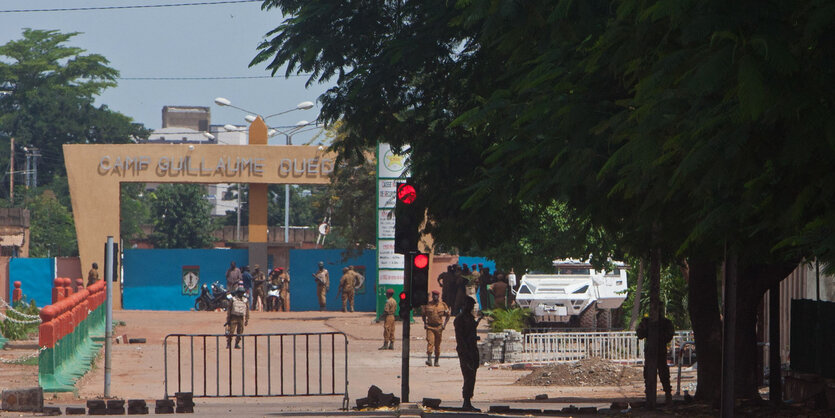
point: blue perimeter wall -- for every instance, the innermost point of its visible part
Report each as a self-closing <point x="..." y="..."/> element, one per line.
<point x="36" y="276"/>
<point x="303" y="263"/>
<point x="153" y="279"/>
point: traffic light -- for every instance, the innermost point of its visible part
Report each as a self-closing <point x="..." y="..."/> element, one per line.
<point x="404" y="307"/>
<point x="420" y="278"/>
<point x="407" y="218"/>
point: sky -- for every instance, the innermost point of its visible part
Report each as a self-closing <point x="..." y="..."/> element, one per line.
<point x="199" y="41"/>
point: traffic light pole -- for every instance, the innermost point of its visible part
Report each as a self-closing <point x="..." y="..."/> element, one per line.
<point x="404" y="357"/>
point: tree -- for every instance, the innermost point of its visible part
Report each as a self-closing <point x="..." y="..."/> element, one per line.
<point x="182" y="217"/>
<point x="52" y="229"/>
<point x="350" y="199"/>
<point x="135" y="211"/>
<point x="49" y="90"/>
<point x="696" y="132"/>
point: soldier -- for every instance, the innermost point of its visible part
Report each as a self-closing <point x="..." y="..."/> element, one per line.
<point x="665" y="334"/>
<point x="259" y="282"/>
<point x="485" y="279"/>
<point x="388" y="321"/>
<point x="346" y="288"/>
<point x="233" y="276"/>
<point x="447" y="282"/>
<point x="434" y="326"/>
<point x="499" y="290"/>
<point x="93" y="275"/>
<point x="323" y="282"/>
<point x="284" y="276"/>
<point x="467" y="348"/>
<point x="237" y="316"/>
<point x="246" y="277"/>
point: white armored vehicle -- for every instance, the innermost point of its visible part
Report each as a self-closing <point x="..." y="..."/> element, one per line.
<point x="573" y="294"/>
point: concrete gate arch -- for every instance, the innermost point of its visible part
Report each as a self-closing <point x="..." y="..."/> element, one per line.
<point x="95" y="173"/>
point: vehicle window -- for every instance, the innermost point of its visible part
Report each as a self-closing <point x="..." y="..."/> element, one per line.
<point x="573" y="270"/>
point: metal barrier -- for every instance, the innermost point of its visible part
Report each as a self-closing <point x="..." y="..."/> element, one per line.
<point x="619" y="346"/>
<point x="280" y="365"/>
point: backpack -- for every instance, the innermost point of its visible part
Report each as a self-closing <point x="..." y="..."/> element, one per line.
<point x="238" y="307"/>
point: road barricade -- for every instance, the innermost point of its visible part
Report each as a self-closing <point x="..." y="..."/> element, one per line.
<point x="70" y="334"/>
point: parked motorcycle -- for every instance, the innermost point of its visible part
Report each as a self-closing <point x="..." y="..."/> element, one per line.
<point x="273" y="298"/>
<point x="211" y="300"/>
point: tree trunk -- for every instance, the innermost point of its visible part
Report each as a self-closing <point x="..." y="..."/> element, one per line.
<point x="651" y="346"/>
<point x="707" y="327"/>
<point x="636" y="299"/>
<point x="754" y="280"/>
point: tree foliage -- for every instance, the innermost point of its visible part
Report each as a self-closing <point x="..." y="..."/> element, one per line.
<point x="700" y="130"/>
<point x="52" y="230"/>
<point x="48" y="97"/>
<point x="182" y="217"/>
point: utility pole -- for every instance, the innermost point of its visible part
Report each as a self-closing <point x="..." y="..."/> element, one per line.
<point x="11" y="175"/>
<point x="28" y="169"/>
<point x="36" y="153"/>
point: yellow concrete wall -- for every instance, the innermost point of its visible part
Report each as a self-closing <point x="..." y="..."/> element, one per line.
<point x="96" y="171"/>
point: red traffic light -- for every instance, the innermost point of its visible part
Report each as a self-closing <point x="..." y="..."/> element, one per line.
<point x="406" y="193"/>
<point x="402" y="295"/>
<point x="421" y="261"/>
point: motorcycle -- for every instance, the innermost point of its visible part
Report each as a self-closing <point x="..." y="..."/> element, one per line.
<point x="274" y="300"/>
<point x="209" y="301"/>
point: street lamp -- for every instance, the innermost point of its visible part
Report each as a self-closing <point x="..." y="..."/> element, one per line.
<point x="220" y="101"/>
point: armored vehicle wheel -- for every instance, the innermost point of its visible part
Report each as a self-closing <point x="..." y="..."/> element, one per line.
<point x="588" y="318"/>
<point x="604" y="319"/>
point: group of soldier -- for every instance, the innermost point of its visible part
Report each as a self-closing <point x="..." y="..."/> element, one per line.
<point x="459" y="286"/>
<point x="255" y="284"/>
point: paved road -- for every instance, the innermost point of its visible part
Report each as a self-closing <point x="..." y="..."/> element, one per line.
<point x="138" y="368"/>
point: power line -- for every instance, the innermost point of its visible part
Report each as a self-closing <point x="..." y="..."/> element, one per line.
<point x="231" y="77"/>
<point x="147" y="6"/>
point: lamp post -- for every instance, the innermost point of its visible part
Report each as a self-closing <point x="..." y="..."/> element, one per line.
<point x="257" y="125"/>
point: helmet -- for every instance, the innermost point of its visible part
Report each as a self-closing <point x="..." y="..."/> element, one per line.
<point x="321" y="264"/>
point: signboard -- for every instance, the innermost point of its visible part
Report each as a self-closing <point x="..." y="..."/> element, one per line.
<point x="386" y="257"/>
<point x="191" y="280"/>
<point x="390" y="277"/>
<point x="391" y="165"/>
<point x="386" y="193"/>
<point x="385" y="223"/>
<point x="391" y="170"/>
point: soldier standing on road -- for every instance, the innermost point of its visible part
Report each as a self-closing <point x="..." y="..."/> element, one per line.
<point x="467" y="348"/>
<point x="346" y="288"/>
<point x="665" y="334"/>
<point x="246" y="276"/>
<point x="388" y="321"/>
<point x="233" y="276"/>
<point x="284" y="277"/>
<point x="237" y="316"/>
<point x="93" y="275"/>
<point x="499" y="290"/>
<point x="259" y="283"/>
<point x="433" y="312"/>
<point x="323" y="282"/>
<point x="447" y="282"/>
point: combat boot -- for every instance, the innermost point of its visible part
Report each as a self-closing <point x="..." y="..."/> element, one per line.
<point x="668" y="398"/>
<point x="436" y="361"/>
<point x="391" y="345"/>
<point x="429" y="359"/>
<point x="384" y="347"/>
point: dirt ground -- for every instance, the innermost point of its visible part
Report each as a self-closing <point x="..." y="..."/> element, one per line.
<point x="137" y="369"/>
<point x="586" y="372"/>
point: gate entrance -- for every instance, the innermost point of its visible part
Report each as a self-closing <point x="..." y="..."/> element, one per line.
<point x="265" y="365"/>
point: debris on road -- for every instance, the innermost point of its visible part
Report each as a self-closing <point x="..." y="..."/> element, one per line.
<point x="586" y="372"/>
